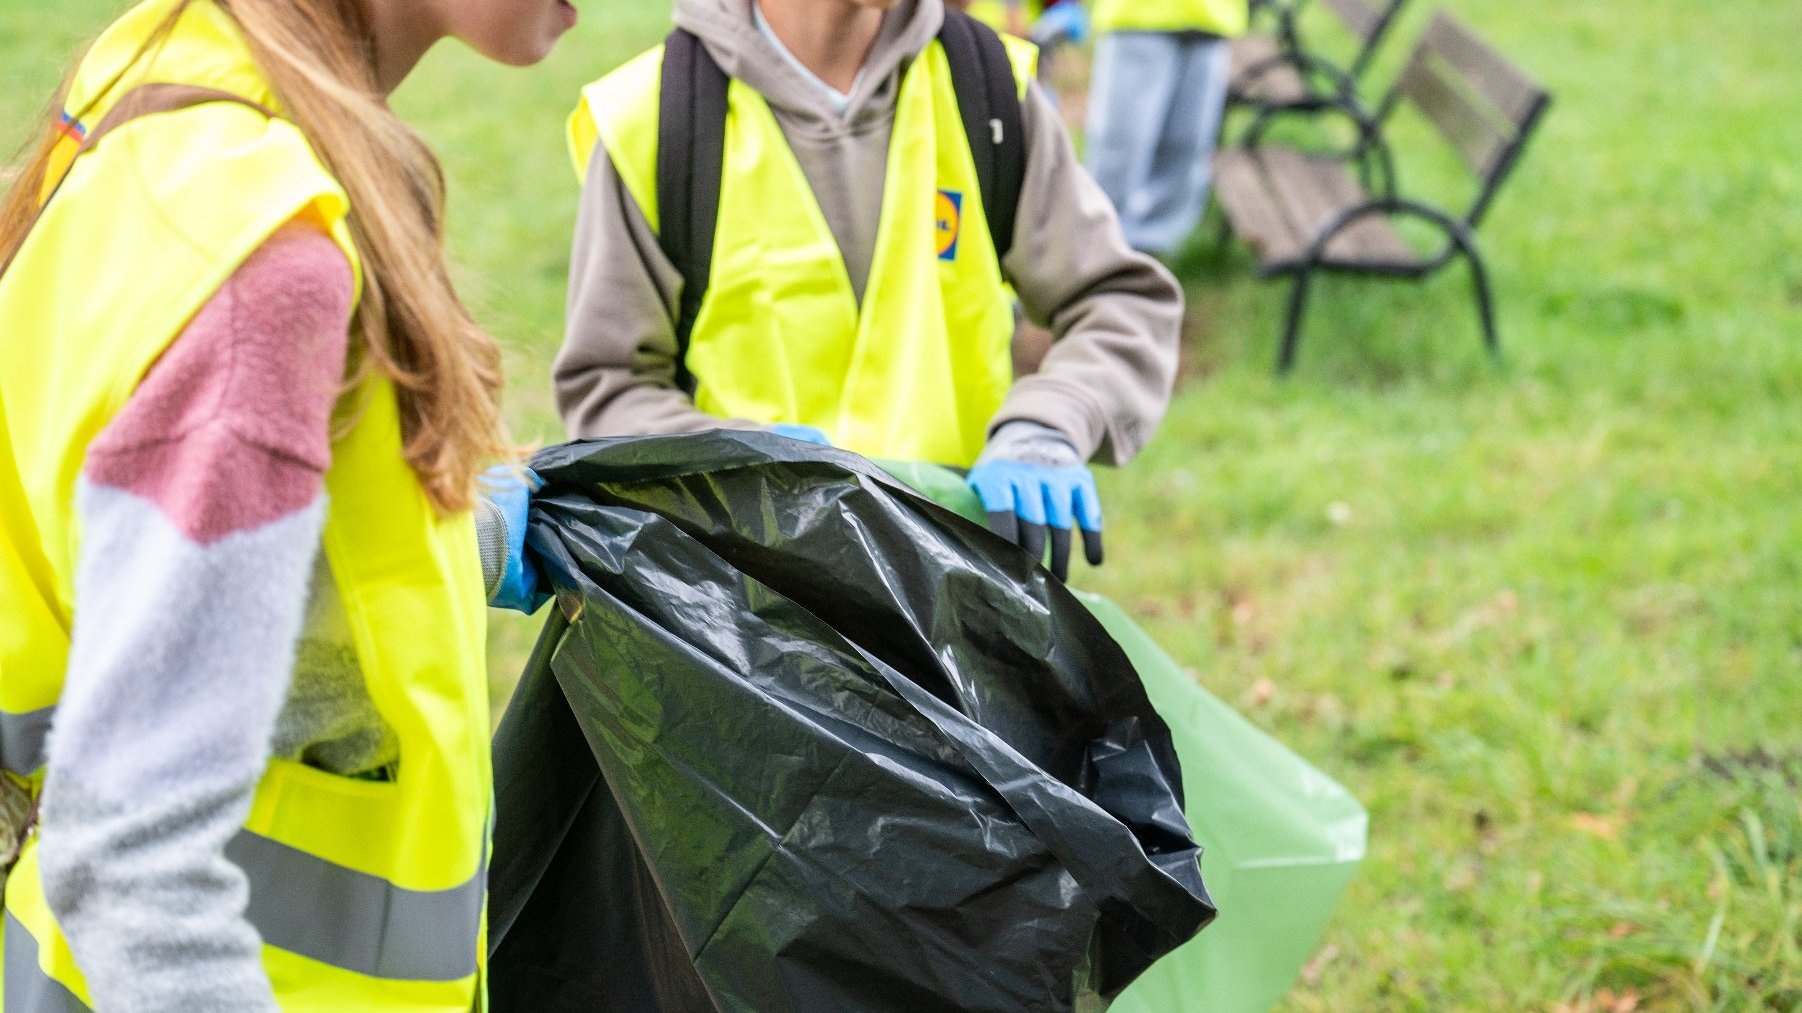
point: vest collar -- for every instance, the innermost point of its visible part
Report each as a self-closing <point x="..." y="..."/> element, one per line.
<point x="204" y="48"/>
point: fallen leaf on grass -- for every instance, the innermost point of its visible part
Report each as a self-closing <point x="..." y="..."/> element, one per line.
<point x="1262" y="691"/>
<point x="1625" y="793"/>
<point x="1622" y="929"/>
<point x="1461" y="877"/>
<point x="1490" y="615"/>
<point x="1596" y="826"/>
<point x="1605" y="1000"/>
<point x="1608" y="1002"/>
<point x="1316" y="967"/>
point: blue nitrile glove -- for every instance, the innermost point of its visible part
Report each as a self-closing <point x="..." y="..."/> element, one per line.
<point x="1068" y="21"/>
<point x="806" y="434"/>
<point x="1032" y="482"/>
<point x="510" y="577"/>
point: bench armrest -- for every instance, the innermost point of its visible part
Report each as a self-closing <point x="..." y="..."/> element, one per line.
<point x="1376" y="164"/>
<point x="1458" y="233"/>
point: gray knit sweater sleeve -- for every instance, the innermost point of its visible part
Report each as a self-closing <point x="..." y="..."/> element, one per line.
<point x="201" y="507"/>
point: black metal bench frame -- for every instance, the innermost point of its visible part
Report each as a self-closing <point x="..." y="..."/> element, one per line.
<point x="1368" y="21"/>
<point x="1481" y="104"/>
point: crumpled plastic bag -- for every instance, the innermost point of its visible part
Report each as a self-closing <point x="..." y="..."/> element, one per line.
<point x="799" y="739"/>
<point x="1281" y="838"/>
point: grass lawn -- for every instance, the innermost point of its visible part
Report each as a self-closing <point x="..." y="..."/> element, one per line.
<point x="1543" y="619"/>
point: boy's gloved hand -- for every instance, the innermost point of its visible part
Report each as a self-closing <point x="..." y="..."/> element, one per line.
<point x="1065" y="22"/>
<point x="806" y="434"/>
<point x="511" y="578"/>
<point x="1032" y="483"/>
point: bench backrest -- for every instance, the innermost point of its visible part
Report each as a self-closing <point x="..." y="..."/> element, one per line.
<point x="1364" y="19"/>
<point x="1367" y="21"/>
<point x="1485" y="107"/>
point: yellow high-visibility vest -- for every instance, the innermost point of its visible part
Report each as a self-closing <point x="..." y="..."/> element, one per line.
<point x="919" y="369"/>
<point x="368" y="895"/>
<point x="1225" y="18"/>
<point x="994" y="12"/>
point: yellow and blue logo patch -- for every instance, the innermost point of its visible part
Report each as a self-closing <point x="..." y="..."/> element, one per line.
<point x="72" y="129"/>
<point x="948" y="222"/>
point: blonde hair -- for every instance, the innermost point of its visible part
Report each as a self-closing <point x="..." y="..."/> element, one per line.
<point x="410" y="325"/>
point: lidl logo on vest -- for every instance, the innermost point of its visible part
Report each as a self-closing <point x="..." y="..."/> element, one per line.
<point x="948" y="220"/>
<point x="70" y="135"/>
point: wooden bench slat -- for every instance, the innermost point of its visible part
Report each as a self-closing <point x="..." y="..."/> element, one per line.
<point x="1280" y="84"/>
<point x="1278" y="198"/>
<point x="1317" y="189"/>
<point x="1304" y="195"/>
<point x="1361" y="18"/>
<point x="1477" y="134"/>
<point x="1250" y="50"/>
<point x="1513" y="95"/>
<point x="1239" y="182"/>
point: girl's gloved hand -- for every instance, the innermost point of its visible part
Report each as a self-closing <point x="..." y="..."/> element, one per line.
<point x="806" y="434"/>
<point x="1033" y="485"/>
<point x="510" y="576"/>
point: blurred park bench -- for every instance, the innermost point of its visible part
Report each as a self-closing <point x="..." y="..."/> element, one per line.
<point x="1303" y="211"/>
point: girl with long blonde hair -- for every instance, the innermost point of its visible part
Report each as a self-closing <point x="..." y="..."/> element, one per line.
<point x="243" y="420"/>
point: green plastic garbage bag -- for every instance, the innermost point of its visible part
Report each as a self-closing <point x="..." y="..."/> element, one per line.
<point x="1282" y="839"/>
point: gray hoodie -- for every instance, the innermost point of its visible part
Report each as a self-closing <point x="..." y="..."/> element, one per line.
<point x="1115" y="313"/>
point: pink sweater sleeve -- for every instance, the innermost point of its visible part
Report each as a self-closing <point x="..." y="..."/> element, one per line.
<point x="201" y="507"/>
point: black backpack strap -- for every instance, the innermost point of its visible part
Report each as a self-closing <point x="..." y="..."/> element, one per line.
<point x="994" y="119"/>
<point x="691" y="155"/>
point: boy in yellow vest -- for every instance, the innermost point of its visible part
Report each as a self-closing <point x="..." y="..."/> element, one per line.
<point x="857" y="287"/>
<point x="1155" y="104"/>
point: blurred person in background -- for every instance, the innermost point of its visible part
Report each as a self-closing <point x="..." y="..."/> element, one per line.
<point x="858" y="289"/>
<point x="1011" y="16"/>
<point x="1155" y="105"/>
<point x="1050" y="26"/>
<point x="243" y="693"/>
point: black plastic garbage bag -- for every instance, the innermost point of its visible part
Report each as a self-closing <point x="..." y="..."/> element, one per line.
<point x="806" y="741"/>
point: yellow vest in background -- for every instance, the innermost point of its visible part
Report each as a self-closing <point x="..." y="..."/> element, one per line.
<point x="368" y="895"/>
<point x="915" y="373"/>
<point x="994" y="12"/>
<point x="1226" y="18"/>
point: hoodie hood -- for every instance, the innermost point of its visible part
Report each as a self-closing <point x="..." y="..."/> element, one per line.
<point x="725" y="27"/>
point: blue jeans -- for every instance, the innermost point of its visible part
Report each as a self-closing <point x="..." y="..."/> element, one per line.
<point x="1154" y="115"/>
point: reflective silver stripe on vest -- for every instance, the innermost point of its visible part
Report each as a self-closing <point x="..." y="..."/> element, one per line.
<point x="28" y="988"/>
<point x="357" y="922"/>
<point x="22" y="740"/>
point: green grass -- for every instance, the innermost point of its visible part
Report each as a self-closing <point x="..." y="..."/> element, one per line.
<point x="1543" y="619"/>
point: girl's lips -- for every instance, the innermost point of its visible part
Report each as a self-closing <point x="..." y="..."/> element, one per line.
<point x="570" y="14"/>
